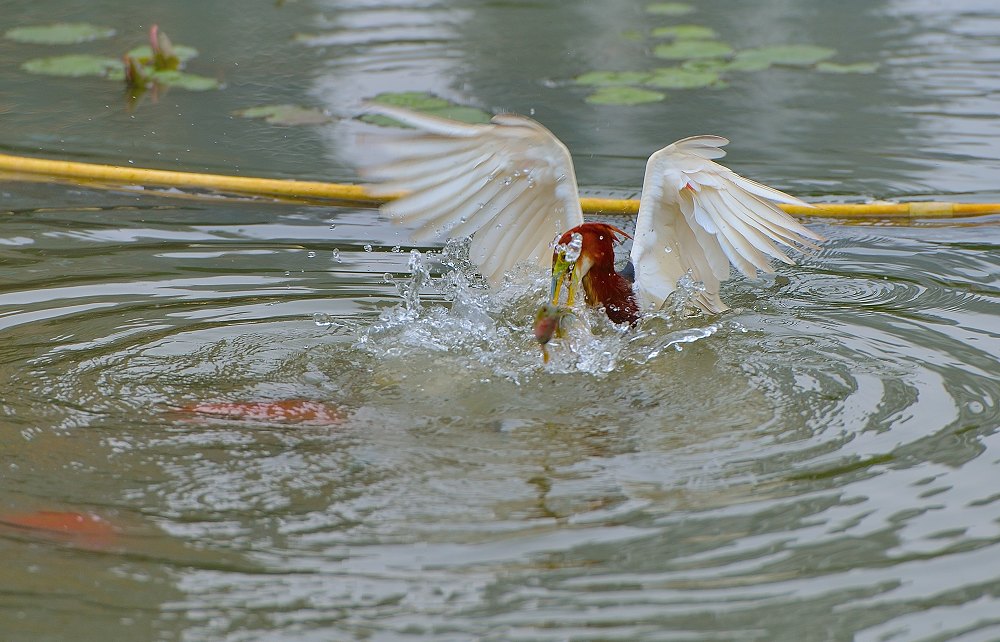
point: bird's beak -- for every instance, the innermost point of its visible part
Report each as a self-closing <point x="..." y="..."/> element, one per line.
<point x="561" y="268"/>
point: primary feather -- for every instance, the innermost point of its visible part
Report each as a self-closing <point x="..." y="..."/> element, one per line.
<point x="510" y="185"/>
<point x="697" y="217"/>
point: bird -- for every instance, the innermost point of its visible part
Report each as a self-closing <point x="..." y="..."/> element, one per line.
<point x="509" y="184"/>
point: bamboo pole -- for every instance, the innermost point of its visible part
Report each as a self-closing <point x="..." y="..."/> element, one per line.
<point x="358" y="195"/>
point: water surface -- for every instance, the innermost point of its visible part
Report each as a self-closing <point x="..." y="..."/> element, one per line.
<point x="815" y="464"/>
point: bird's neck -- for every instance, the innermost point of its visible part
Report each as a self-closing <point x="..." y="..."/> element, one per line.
<point x="605" y="286"/>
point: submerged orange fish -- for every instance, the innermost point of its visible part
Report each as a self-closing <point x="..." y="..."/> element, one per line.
<point x="86" y="529"/>
<point x="283" y="411"/>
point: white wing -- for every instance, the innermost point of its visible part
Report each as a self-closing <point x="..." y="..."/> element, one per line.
<point x="696" y="215"/>
<point x="509" y="184"/>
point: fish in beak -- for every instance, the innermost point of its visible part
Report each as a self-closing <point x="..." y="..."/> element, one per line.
<point x="548" y="324"/>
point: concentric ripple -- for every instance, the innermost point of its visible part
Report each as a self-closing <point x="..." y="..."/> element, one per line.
<point x="822" y="446"/>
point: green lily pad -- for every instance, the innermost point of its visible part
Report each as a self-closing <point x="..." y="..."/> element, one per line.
<point x="73" y="66"/>
<point x="680" y="78"/>
<point x="184" y="80"/>
<point x="690" y="49"/>
<point x="145" y="53"/>
<point x="624" y="96"/>
<point x="747" y="64"/>
<point x="613" y="78"/>
<point x="669" y="9"/>
<point x="790" y="55"/>
<point x="63" y="33"/>
<point x="685" y="32"/>
<point x="721" y="66"/>
<point x="426" y="103"/>
<point x="713" y="65"/>
<point x="856" y="68"/>
<point x="285" y="114"/>
<point x="415" y="100"/>
<point x="464" y="114"/>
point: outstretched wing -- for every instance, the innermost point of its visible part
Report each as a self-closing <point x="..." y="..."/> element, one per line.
<point x="509" y="185"/>
<point x="697" y="216"/>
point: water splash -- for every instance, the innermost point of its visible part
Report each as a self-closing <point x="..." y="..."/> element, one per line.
<point x="572" y="249"/>
<point x="449" y="315"/>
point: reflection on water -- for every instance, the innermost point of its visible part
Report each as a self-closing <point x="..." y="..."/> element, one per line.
<point x="814" y="464"/>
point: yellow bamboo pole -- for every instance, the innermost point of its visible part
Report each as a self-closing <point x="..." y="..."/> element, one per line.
<point x="165" y="178"/>
<point x="359" y="195"/>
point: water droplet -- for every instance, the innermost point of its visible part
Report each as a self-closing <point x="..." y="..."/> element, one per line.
<point x="333" y="226"/>
<point x="396" y="249"/>
<point x="336" y="256"/>
<point x="668" y="249"/>
<point x="311" y="254"/>
<point x="322" y="319"/>
<point x="368" y="247"/>
<point x="387" y="278"/>
<point x="574" y="247"/>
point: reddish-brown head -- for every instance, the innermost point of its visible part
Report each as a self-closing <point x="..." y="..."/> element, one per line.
<point x="595" y="268"/>
<point x="598" y="249"/>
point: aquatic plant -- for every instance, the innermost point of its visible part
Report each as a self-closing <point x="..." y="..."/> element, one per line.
<point x="701" y="60"/>
<point x="425" y="103"/>
<point x="158" y="64"/>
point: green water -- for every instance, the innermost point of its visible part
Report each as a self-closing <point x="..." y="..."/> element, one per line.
<point x="817" y="464"/>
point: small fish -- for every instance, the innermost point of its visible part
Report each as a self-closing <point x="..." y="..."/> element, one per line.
<point x="300" y="411"/>
<point x="548" y="324"/>
<point x="83" y="529"/>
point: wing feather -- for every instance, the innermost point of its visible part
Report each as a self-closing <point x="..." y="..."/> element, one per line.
<point x="509" y="184"/>
<point x="534" y="218"/>
<point x="710" y="218"/>
<point x="431" y="168"/>
<point x="491" y="244"/>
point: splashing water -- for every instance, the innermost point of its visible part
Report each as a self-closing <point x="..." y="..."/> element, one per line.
<point x="489" y="332"/>
<point x="572" y="249"/>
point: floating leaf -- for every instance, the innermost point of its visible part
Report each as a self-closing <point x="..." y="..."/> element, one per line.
<point x="144" y="54"/>
<point x="184" y="80"/>
<point x="685" y="32"/>
<point x="720" y="66"/>
<point x="624" y="96"/>
<point x="285" y="114"/>
<point x="792" y="55"/>
<point x="680" y="78"/>
<point x="613" y="78"/>
<point x="670" y="9"/>
<point x="63" y="33"/>
<point x="714" y="65"/>
<point x="464" y="114"/>
<point x="426" y="103"/>
<point x="416" y="100"/>
<point x="73" y="66"/>
<point x="688" y="49"/>
<point x="747" y="65"/>
<point x="856" y="68"/>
